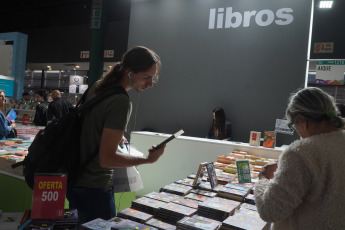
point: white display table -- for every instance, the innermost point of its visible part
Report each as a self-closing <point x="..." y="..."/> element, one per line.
<point x="183" y="155"/>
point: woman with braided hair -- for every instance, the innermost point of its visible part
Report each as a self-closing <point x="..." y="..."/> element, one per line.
<point x="306" y="189"/>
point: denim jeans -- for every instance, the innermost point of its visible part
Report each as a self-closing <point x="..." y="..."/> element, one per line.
<point x="92" y="203"/>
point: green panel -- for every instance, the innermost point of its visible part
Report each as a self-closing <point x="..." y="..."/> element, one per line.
<point x="15" y="195"/>
<point x="124" y="200"/>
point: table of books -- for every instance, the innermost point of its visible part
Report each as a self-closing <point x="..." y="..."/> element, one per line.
<point x="180" y="205"/>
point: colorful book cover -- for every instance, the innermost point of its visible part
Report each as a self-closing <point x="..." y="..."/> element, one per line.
<point x="179" y="189"/>
<point x="220" y="204"/>
<point x="243" y="170"/>
<point x="180" y="209"/>
<point x="160" y="224"/>
<point x="203" y="192"/>
<point x="186" y="181"/>
<point x="212" y="175"/>
<point x="245" y="219"/>
<point x="269" y="139"/>
<point x="207" y="219"/>
<point x="187" y="202"/>
<point x="159" y="196"/>
<point x="191" y="223"/>
<point x="195" y="196"/>
<point x="135" y="215"/>
<point x="11" y="115"/>
<point x="233" y="193"/>
<point x="242" y="187"/>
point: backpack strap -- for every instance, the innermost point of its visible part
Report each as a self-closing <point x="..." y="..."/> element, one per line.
<point x="108" y="91"/>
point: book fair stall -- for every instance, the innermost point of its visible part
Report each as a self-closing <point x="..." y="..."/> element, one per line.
<point x="201" y="184"/>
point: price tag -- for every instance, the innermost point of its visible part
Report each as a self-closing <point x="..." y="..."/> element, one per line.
<point x="243" y="171"/>
<point x="49" y="196"/>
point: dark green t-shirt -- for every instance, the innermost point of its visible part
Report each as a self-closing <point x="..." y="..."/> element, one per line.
<point x="113" y="113"/>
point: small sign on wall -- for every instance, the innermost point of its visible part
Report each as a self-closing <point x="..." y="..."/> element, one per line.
<point x="323" y="47"/>
<point x="330" y="72"/>
<point x="72" y="89"/>
<point x="84" y="54"/>
<point x="76" y="80"/>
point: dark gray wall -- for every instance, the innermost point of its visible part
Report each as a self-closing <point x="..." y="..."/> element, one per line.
<point x="249" y="71"/>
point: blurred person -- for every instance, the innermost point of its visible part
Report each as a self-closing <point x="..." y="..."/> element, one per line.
<point x="6" y="127"/>
<point x="220" y="128"/>
<point x="41" y="108"/>
<point x="58" y="107"/>
<point x="305" y="189"/>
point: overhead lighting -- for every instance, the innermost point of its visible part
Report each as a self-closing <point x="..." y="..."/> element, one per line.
<point x="326" y="4"/>
<point x="77" y="66"/>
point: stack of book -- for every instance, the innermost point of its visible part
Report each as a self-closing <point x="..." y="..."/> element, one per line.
<point x="203" y="192"/>
<point x="171" y="212"/>
<point x="147" y="205"/>
<point x="207" y="186"/>
<point x="161" y="225"/>
<point x="197" y="197"/>
<point x="162" y="196"/>
<point x="69" y="221"/>
<point x="217" y="208"/>
<point x="135" y="215"/>
<point x="186" y="181"/>
<point x="244" y="219"/>
<point x="178" y="189"/>
<point x="189" y="223"/>
<point x="187" y="202"/>
<point x="234" y="191"/>
<point x="250" y="199"/>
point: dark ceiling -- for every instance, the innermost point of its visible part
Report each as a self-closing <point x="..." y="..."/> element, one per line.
<point x="18" y="15"/>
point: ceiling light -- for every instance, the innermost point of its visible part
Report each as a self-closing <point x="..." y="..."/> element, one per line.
<point x="77" y="66"/>
<point x="326" y="4"/>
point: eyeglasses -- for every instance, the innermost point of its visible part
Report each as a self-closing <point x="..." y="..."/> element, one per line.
<point x="292" y="126"/>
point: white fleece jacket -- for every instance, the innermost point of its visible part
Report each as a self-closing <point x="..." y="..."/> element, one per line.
<point x="308" y="189"/>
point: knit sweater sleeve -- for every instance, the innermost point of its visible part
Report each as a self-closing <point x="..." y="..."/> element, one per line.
<point x="277" y="199"/>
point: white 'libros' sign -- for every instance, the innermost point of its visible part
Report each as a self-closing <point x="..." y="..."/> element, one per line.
<point x="330" y="72"/>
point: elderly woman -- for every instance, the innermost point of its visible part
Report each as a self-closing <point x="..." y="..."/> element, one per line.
<point x="306" y="189"/>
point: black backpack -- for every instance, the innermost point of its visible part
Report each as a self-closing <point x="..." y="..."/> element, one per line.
<point x="55" y="149"/>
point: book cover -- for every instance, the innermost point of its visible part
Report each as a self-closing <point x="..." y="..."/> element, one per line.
<point x="203" y="192"/>
<point x="11" y="115"/>
<point x="243" y="170"/>
<point x="254" y="139"/>
<point x="159" y="196"/>
<point x="234" y="194"/>
<point x="97" y="224"/>
<point x="221" y="204"/>
<point x="179" y="209"/>
<point x="242" y="187"/>
<point x="191" y="223"/>
<point x="187" y="202"/>
<point x="269" y="139"/>
<point x="195" y="196"/>
<point x="245" y="219"/>
<point x="199" y="174"/>
<point x="178" y="189"/>
<point x="160" y="224"/>
<point x="212" y="175"/>
<point x="147" y="205"/>
<point x="186" y="181"/>
<point x="135" y="215"/>
<point x="130" y="224"/>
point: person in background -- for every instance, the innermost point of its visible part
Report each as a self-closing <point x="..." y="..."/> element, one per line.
<point x="41" y="108"/>
<point x="220" y="128"/>
<point x="58" y="107"/>
<point x="102" y="131"/>
<point x="25" y="101"/>
<point x="305" y="189"/>
<point x="5" y="126"/>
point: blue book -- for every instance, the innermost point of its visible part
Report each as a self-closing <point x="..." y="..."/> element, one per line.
<point x="11" y="115"/>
